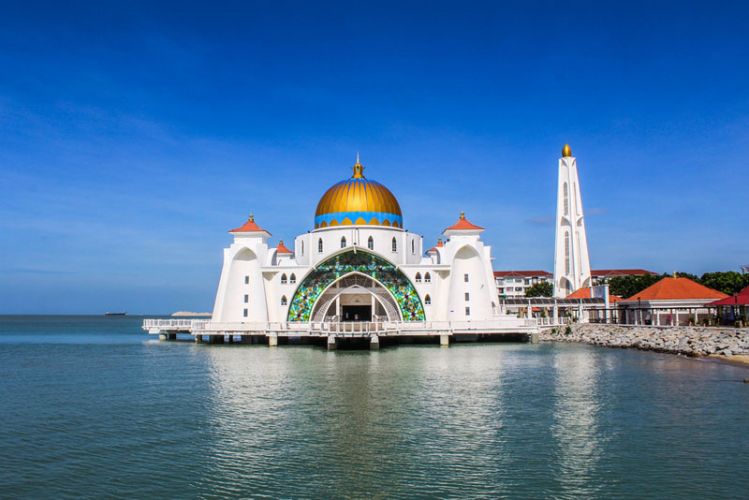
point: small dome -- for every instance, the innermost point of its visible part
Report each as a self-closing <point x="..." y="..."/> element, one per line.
<point x="566" y="151"/>
<point x="358" y="201"/>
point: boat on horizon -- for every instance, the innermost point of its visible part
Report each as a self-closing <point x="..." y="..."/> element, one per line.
<point x="115" y="314"/>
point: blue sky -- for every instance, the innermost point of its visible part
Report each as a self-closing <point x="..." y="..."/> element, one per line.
<point x="133" y="135"/>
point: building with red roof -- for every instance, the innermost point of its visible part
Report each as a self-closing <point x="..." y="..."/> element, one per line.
<point x="670" y="301"/>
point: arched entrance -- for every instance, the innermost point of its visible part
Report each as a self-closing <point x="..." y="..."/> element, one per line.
<point x="356" y="297"/>
<point x="383" y="280"/>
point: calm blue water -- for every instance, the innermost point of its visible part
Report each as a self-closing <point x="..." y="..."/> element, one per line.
<point x="91" y="407"/>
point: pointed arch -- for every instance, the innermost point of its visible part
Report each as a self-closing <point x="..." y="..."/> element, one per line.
<point x="319" y="245"/>
<point x="284" y="279"/>
<point x="284" y="300"/>
<point x="394" y="244"/>
<point x="343" y="242"/>
<point x="418" y="277"/>
<point x="370" y="243"/>
<point x="427" y="300"/>
<point x="427" y="278"/>
<point x="292" y="278"/>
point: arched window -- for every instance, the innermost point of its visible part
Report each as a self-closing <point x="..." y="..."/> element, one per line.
<point x="292" y="278"/>
<point x="566" y="252"/>
<point x="413" y="246"/>
<point x="370" y="243"/>
<point x="427" y="278"/>
<point x="284" y="301"/>
<point x="566" y="199"/>
<point x="343" y="242"/>
<point x="319" y="245"/>
<point x="283" y="279"/>
<point x="427" y="299"/>
<point x="395" y="245"/>
<point x="302" y="247"/>
<point x="418" y="277"/>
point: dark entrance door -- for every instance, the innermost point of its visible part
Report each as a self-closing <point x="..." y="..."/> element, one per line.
<point x="356" y="313"/>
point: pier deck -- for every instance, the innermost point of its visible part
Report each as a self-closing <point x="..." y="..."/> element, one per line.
<point x="209" y="331"/>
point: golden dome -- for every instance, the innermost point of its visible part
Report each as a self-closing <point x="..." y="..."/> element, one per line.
<point x="358" y="201"/>
<point x="566" y="151"/>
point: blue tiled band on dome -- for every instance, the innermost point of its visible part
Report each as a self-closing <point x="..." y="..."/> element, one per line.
<point x="368" y="218"/>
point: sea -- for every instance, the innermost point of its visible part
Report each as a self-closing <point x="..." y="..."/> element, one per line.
<point x="92" y="407"/>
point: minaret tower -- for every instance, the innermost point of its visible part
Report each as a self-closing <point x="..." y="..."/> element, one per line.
<point x="571" y="261"/>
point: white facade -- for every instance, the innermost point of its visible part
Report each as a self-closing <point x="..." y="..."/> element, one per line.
<point x="357" y="272"/>
<point x="571" y="260"/>
<point x="513" y="284"/>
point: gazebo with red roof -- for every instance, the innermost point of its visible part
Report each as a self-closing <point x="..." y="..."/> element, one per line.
<point x="734" y="307"/>
<point x="672" y="300"/>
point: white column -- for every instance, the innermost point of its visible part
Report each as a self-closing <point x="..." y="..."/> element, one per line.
<point x="571" y="260"/>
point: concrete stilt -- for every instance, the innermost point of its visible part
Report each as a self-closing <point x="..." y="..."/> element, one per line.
<point x="272" y="340"/>
<point x="332" y="343"/>
<point x="163" y="336"/>
<point x="533" y="338"/>
<point x="445" y="340"/>
<point x="198" y="339"/>
<point x="374" y="342"/>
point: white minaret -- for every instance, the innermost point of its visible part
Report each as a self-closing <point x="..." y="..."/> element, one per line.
<point x="571" y="261"/>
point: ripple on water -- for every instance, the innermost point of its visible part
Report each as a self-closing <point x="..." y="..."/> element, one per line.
<point x="486" y="420"/>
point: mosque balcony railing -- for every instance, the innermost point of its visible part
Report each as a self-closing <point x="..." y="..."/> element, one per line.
<point x="338" y="328"/>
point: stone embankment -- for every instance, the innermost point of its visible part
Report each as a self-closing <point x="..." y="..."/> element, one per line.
<point x="687" y="340"/>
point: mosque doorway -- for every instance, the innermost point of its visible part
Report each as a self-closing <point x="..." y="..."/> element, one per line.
<point x="356" y="313"/>
<point x="355" y="298"/>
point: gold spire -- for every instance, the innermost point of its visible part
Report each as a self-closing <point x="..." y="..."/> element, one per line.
<point x="462" y="216"/>
<point x="251" y="218"/>
<point x="566" y="151"/>
<point x="358" y="169"/>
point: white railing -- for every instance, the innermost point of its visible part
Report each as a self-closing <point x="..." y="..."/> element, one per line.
<point x="359" y="328"/>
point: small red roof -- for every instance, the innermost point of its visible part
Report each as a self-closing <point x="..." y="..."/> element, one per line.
<point x="249" y="227"/>
<point x="439" y="245"/>
<point x="740" y="299"/>
<point x="608" y="273"/>
<point x="464" y="224"/>
<point x="281" y="248"/>
<point x="504" y="274"/>
<point x="677" y="289"/>
<point x="585" y="293"/>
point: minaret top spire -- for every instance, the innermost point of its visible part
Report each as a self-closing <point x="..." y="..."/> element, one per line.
<point x="566" y="151"/>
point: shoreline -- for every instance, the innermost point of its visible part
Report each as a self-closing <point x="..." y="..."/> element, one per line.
<point x="728" y="345"/>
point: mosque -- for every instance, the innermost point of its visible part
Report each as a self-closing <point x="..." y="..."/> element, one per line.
<point x="359" y="265"/>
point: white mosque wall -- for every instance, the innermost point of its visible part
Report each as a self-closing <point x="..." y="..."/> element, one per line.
<point x="272" y="279"/>
<point x="241" y="295"/>
<point x="408" y="247"/>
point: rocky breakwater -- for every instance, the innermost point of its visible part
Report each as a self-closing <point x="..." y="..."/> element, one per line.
<point x="687" y="340"/>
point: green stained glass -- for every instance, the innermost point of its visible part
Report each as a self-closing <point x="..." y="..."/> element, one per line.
<point x="315" y="283"/>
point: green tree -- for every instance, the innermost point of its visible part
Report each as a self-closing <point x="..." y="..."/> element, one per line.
<point x="729" y="282"/>
<point x="627" y="286"/>
<point x="542" y="289"/>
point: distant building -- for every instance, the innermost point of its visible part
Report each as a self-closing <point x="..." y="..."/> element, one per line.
<point x="512" y="284"/>
<point x="601" y="276"/>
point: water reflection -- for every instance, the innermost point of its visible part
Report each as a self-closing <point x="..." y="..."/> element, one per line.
<point x="575" y="428"/>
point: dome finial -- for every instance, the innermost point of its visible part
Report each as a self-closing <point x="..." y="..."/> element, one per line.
<point x="566" y="151"/>
<point x="462" y="216"/>
<point x="358" y="168"/>
<point x="251" y="218"/>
